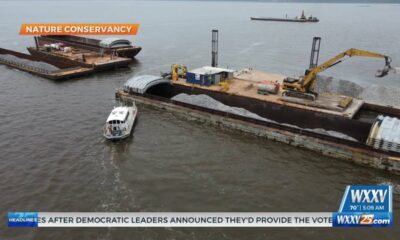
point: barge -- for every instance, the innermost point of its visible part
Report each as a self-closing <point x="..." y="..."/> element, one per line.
<point x="63" y="57"/>
<point x="288" y="122"/>
<point x="301" y="19"/>
<point x="117" y="46"/>
<point x="62" y="54"/>
<point x="42" y="66"/>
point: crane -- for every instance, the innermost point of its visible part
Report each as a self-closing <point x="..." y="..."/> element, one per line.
<point x="303" y="87"/>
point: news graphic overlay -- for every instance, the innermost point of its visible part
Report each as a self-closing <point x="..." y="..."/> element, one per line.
<point x="368" y="206"/>
<point x="79" y="29"/>
<point x="22" y="219"/>
<point x="170" y="219"/>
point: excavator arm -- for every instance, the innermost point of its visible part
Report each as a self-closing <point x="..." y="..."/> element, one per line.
<point x="306" y="83"/>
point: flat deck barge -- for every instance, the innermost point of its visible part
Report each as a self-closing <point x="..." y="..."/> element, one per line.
<point x="63" y="57"/>
<point x="116" y="46"/>
<point x="288" y="122"/>
<point x="245" y="85"/>
<point x="81" y="57"/>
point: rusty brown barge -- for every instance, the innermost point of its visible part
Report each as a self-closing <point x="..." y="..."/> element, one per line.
<point x="116" y="46"/>
<point x="64" y="57"/>
<point x="289" y="123"/>
<point x="65" y="52"/>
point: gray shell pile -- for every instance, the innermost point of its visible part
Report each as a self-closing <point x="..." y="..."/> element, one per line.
<point x="34" y="64"/>
<point x="206" y="101"/>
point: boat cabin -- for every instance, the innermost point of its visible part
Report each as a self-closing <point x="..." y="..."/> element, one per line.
<point x="117" y="119"/>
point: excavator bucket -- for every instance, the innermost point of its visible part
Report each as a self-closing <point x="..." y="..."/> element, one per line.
<point x="383" y="72"/>
<point x="386" y="69"/>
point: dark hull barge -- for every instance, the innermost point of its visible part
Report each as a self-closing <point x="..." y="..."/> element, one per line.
<point x="288" y="124"/>
<point x="285" y="19"/>
<point x="301" y="19"/>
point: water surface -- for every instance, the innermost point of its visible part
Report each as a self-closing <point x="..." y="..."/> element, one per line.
<point x="55" y="159"/>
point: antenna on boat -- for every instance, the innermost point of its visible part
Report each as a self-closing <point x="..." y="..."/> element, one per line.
<point x="214" y="48"/>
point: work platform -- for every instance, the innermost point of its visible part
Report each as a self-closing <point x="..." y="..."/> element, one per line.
<point x="245" y="84"/>
<point x="82" y="57"/>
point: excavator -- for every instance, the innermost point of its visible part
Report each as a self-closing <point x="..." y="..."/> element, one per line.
<point x="303" y="87"/>
<point x="178" y="70"/>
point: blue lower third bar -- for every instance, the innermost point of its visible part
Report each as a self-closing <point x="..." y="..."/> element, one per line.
<point x="22" y="219"/>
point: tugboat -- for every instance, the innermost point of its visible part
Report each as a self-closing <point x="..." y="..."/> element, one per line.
<point x="302" y="18"/>
<point x="120" y="122"/>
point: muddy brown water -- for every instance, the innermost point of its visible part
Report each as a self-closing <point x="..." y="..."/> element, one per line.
<point x="53" y="157"/>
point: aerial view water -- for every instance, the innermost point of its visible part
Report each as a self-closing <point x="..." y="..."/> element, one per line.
<point x="54" y="158"/>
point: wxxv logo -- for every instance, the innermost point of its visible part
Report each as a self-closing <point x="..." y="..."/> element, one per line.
<point x="365" y="206"/>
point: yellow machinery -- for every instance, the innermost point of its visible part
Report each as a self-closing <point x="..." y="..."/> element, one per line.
<point x="303" y="87"/>
<point x="178" y="70"/>
<point x="224" y="85"/>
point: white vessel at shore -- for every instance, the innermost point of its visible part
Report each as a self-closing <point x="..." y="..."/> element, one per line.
<point x="120" y="122"/>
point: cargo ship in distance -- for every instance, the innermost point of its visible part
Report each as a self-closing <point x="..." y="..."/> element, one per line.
<point x="301" y="19"/>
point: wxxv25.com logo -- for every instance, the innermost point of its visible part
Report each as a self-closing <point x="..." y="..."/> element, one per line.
<point x="365" y="206"/>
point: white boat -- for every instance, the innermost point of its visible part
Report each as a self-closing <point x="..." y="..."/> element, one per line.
<point x="120" y="122"/>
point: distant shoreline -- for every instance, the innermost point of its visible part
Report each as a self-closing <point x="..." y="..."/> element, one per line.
<point x="295" y="1"/>
<point x="260" y="1"/>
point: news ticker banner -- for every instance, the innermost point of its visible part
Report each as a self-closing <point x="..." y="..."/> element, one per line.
<point x="79" y="29"/>
<point x="361" y="206"/>
<point x="170" y="219"/>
